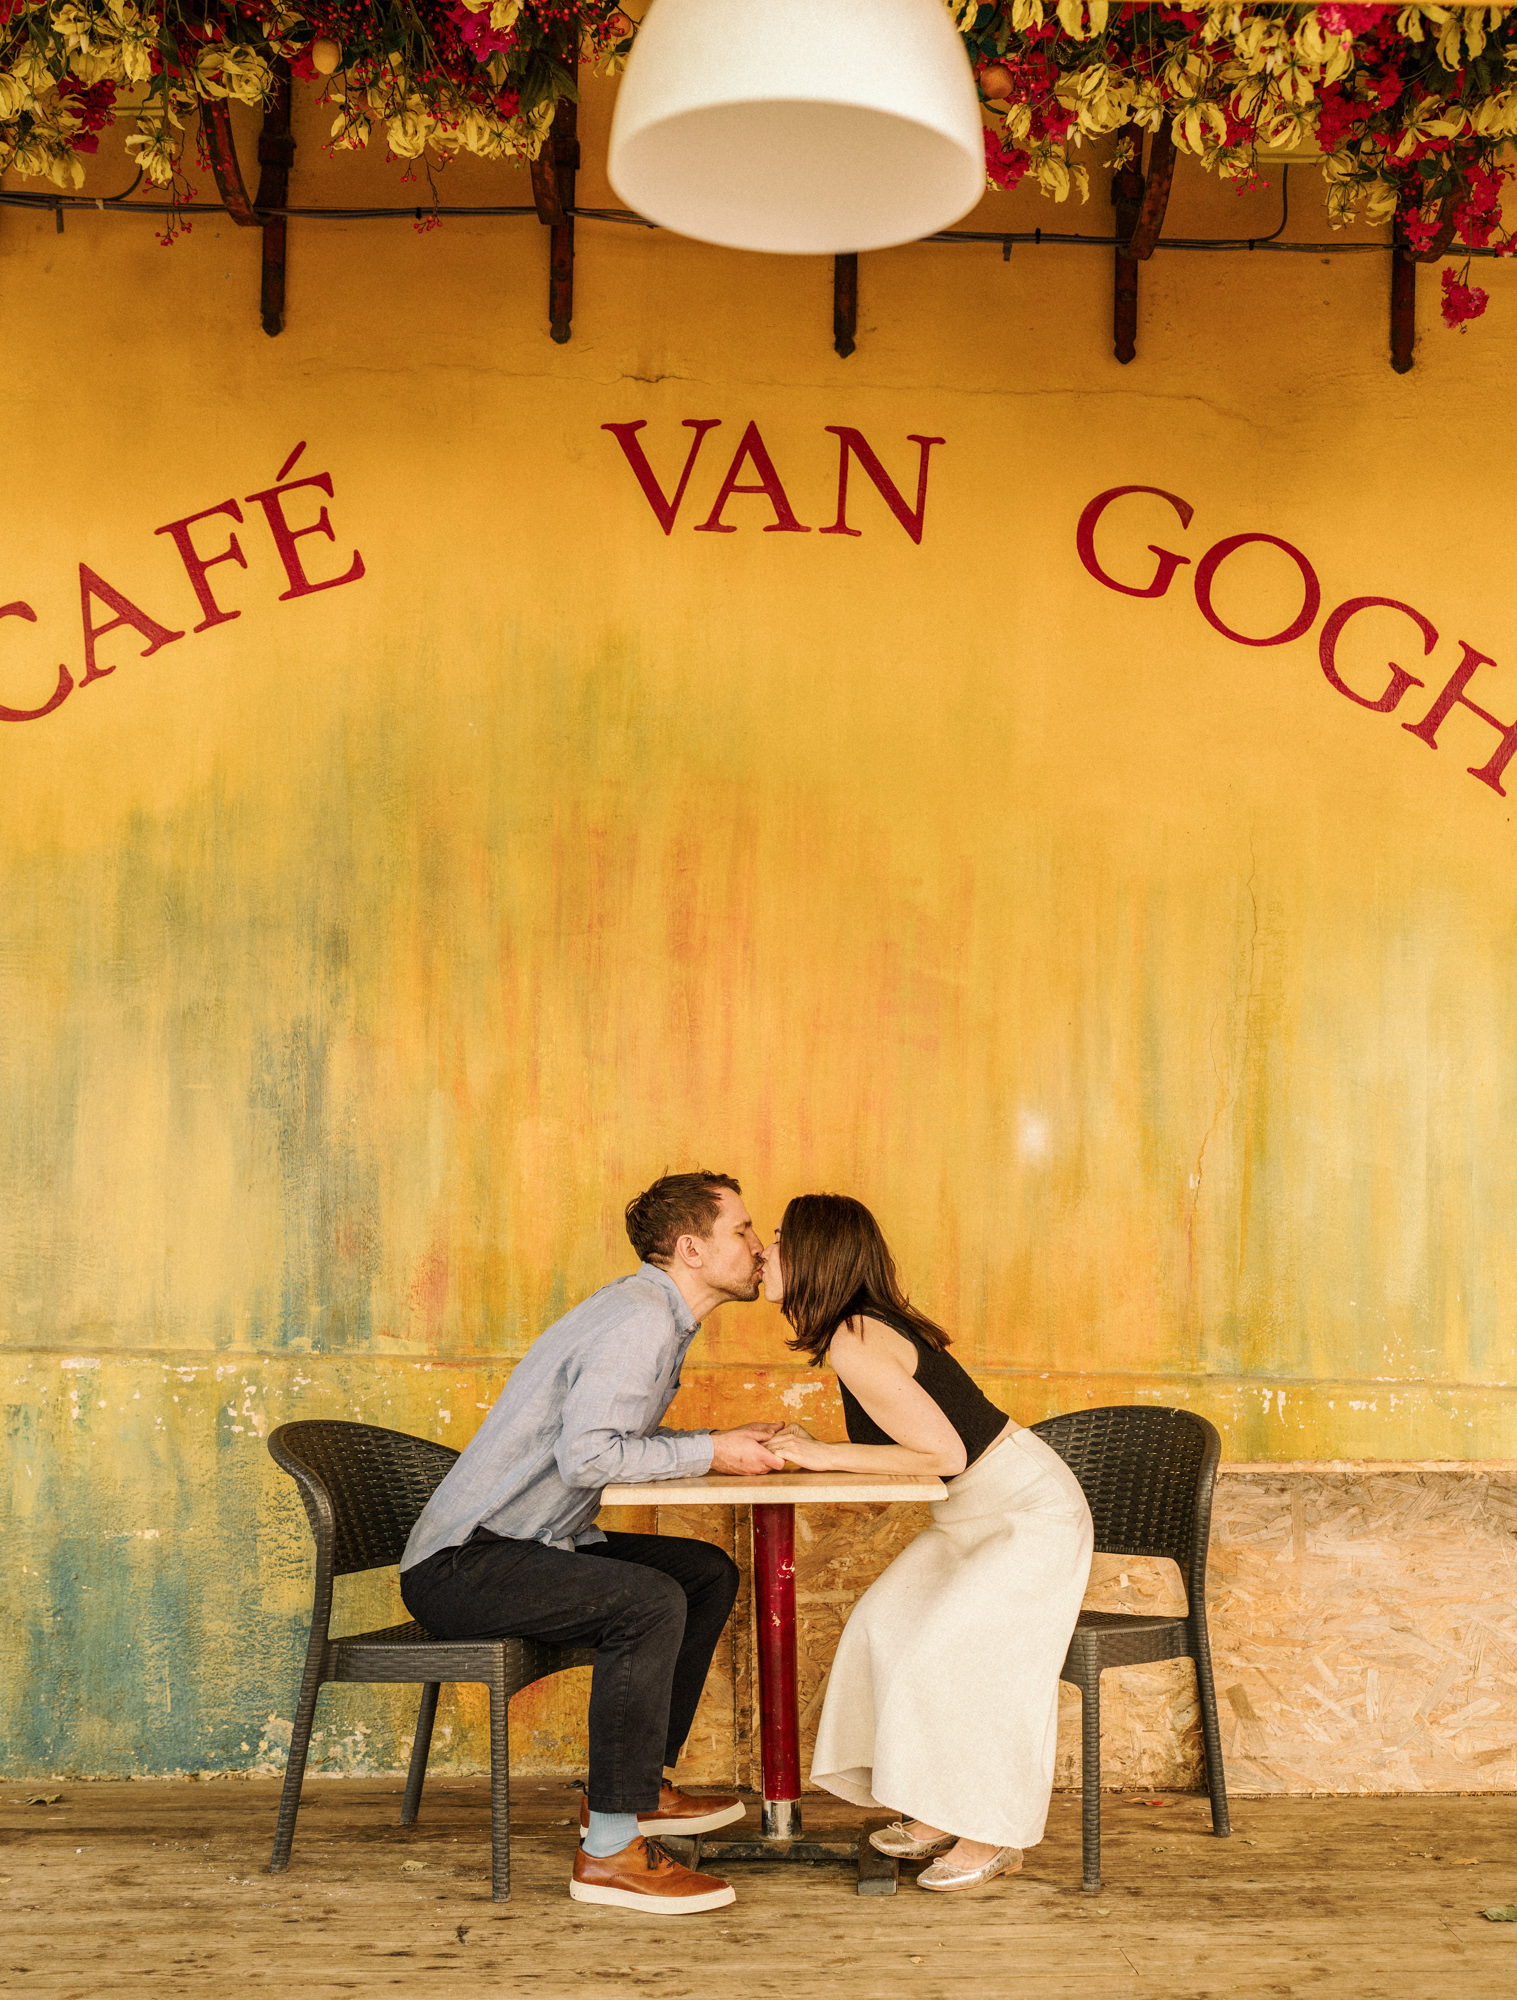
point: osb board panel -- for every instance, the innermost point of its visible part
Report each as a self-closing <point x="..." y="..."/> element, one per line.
<point x="1363" y="1631"/>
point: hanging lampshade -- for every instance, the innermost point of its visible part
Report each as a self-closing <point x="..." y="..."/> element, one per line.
<point x="798" y="125"/>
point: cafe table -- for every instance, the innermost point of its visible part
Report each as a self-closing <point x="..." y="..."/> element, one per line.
<point x="774" y="1498"/>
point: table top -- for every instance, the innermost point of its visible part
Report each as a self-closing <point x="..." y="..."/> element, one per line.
<point x="774" y="1489"/>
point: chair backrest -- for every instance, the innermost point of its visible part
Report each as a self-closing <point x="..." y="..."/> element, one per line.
<point x="1148" y="1474"/>
<point x="363" y="1487"/>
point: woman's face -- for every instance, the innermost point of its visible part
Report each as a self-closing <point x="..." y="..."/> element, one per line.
<point x="774" y="1275"/>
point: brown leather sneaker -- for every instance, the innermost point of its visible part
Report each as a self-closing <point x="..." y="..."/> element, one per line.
<point x="644" y="1878"/>
<point x="679" y="1813"/>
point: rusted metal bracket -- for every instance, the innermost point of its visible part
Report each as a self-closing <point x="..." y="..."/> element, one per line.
<point x="276" y="154"/>
<point x="553" y="174"/>
<point x="216" y="125"/>
<point x="1403" y="301"/>
<point x="276" y="151"/>
<point x="1444" y="235"/>
<point x="1404" y="262"/>
<point x="1127" y="191"/>
<point x="1161" y="172"/>
<point x="845" y="302"/>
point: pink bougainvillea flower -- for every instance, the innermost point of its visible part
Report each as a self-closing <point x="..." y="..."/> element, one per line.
<point x="1003" y="164"/>
<point x="480" y="38"/>
<point x="1478" y="216"/>
<point x="1419" y="233"/>
<point x="1461" y="302"/>
<point x="1353" y="20"/>
<point x="1337" y="116"/>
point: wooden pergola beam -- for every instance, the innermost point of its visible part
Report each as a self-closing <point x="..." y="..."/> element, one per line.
<point x="1404" y="262"/>
<point x="1161" y="173"/>
<point x="553" y="174"/>
<point x="276" y="153"/>
<point x="1403" y="302"/>
<point x="1127" y="191"/>
<point x="1140" y="201"/>
<point x="845" y="303"/>
<point x="221" y="150"/>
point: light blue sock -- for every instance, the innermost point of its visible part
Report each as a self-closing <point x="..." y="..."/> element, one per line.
<point x="609" y="1833"/>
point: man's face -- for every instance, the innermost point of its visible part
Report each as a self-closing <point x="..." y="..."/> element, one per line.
<point x="732" y="1257"/>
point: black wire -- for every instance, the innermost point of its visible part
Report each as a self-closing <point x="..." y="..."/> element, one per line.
<point x="119" y="205"/>
<point x="110" y="200"/>
<point x="1040" y="236"/>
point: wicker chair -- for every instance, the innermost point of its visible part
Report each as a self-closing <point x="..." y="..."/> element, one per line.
<point x="363" y="1489"/>
<point x="1148" y="1475"/>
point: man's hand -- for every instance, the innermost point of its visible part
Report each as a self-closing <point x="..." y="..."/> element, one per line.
<point x="744" y="1451"/>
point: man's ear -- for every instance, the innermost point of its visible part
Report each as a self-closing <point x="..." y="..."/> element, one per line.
<point x="687" y="1249"/>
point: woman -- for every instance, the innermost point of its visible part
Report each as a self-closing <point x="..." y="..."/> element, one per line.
<point x="944" y="1697"/>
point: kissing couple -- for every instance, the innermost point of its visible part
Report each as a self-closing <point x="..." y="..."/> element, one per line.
<point x="942" y="1702"/>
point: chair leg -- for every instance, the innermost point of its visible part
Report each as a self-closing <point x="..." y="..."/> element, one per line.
<point x="1211" y="1734"/>
<point x="500" y="1793"/>
<point x="1090" y="1784"/>
<point x="421" y="1745"/>
<point x="294" y="1772"/>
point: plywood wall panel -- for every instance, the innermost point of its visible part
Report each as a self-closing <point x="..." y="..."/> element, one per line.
<point x="1364" y="1634"/>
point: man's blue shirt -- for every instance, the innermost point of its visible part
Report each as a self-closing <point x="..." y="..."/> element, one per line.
<point x="580" y="1411"/>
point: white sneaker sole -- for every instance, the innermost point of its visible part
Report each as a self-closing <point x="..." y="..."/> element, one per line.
<point x="653" y="1906"/>
<point x="686" y="1829"/>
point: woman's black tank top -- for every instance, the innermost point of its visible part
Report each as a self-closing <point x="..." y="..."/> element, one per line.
<point x="976" y="1419"/>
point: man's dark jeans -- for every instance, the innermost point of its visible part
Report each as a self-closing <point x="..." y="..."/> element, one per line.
<point x="653" y="1606"/>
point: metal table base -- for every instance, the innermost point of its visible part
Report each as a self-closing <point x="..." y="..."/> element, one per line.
<point x="877" y="1873"/>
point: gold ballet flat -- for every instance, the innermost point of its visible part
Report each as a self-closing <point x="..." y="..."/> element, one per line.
<point x="899" y="1844"/>
<point x="941" y="1876"/>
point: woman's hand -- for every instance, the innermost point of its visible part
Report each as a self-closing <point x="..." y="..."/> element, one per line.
<point x="798" y="1447"/>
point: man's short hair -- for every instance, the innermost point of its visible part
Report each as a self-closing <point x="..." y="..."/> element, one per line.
<point x="676" y="1205"/>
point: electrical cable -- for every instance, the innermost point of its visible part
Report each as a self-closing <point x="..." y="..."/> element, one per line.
<point x="1005" y="239"/>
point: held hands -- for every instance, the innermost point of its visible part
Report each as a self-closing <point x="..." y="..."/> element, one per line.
<point x="744" y="1450"/>
<point x="755" y="1448"/>
<point x="796" y="1446"/>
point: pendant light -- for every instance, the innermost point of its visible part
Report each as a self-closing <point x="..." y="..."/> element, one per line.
<point x="807" y="126"/>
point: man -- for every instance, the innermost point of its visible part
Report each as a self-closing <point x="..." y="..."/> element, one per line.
<point x="507" y="1545"/>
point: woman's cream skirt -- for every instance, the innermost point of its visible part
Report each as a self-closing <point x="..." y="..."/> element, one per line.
<point x="943" y="1704"/>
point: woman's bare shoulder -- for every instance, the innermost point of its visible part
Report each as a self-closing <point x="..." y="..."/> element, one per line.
<point x="873" y="1339"/>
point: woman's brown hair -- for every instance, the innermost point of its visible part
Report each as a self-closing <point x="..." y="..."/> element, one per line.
<point x="837" y="1264"/>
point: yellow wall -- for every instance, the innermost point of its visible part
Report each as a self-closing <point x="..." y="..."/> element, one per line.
<point x="359" y="958"/>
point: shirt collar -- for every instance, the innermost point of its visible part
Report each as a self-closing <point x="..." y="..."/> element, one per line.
<point x="684" y="1319"/>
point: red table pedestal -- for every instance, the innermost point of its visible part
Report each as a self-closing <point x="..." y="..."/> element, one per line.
<point x="779" y="1721"/>
<point x="780" y="1837"/>
<point x="780" y="1728"/>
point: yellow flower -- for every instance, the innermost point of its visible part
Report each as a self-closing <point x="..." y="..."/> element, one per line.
<point x="1082" y="20"/>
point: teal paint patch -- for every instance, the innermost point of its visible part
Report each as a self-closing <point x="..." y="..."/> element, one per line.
<point x="327" y="1198"/>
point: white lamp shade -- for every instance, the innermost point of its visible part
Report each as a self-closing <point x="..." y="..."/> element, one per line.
<point x="798" y="125"/>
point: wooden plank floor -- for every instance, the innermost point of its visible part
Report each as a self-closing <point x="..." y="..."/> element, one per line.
<point x="160" y="1888"/>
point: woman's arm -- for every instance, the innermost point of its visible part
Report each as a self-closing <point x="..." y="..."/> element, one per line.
<point x="876" y="1363"/>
